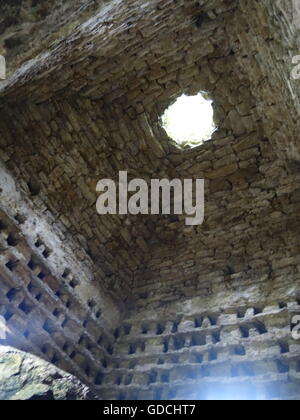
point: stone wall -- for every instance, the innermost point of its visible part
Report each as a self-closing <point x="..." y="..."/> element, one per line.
<point x="270" y="38"/>
<point x="203" y="308"/>
<point x="251" y="229"/>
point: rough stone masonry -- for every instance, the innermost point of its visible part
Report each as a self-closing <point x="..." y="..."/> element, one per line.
<point x="145" y="307"/>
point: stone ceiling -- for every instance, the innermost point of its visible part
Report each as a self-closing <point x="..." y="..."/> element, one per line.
<point x="89" y="105"/>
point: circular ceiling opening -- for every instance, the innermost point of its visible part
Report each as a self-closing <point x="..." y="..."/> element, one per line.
<point x="189" y="121"/>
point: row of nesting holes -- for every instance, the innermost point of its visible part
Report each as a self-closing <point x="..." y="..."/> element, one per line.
<point x="242" y="369"/>
<point x="176" y="342"/>
<point x="238" y="350"/>
<point x="198" y="358"/>
<point x="160" y="328"/>
<point x="198" y="339"/>
<point x="158" y="393"/>
<point x="198" y="322"/>
<point x="238" y="370"/>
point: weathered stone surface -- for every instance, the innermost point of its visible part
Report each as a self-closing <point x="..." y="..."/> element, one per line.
<point x="25" y="377"/>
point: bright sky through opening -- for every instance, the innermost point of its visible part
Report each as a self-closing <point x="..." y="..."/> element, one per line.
<point x="189" y="120"/>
